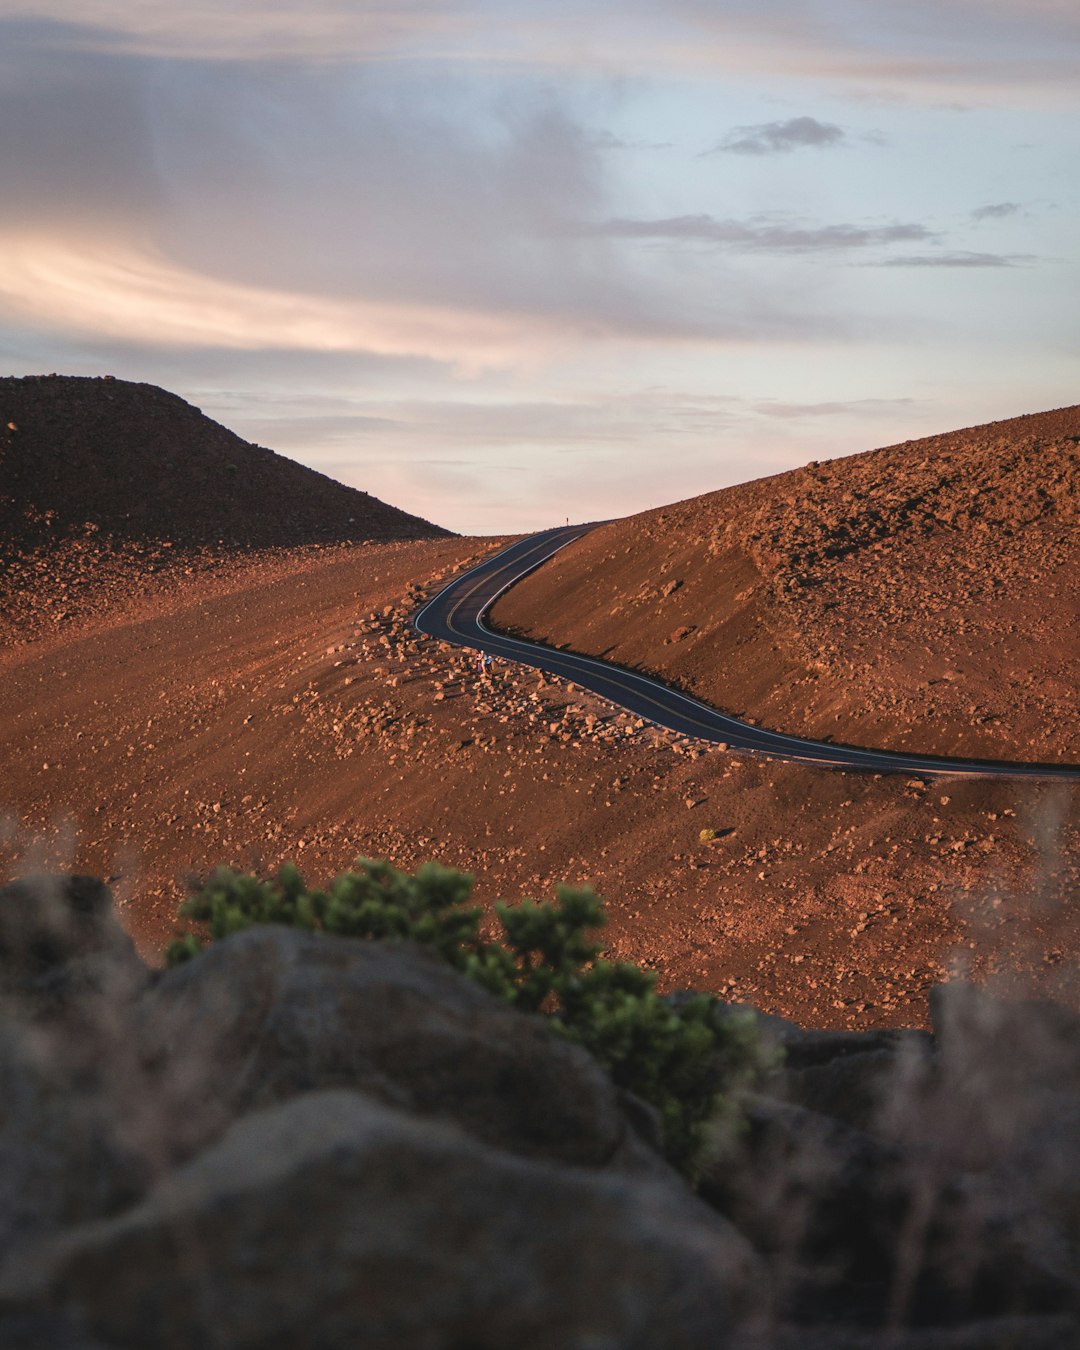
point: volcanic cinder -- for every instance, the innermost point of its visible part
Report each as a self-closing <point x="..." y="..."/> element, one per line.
<point x="176" y="702"/>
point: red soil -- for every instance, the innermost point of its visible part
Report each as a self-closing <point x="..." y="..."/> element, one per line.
<point x="277" y="722"/>
<point x="923" y="597"/>
<point x="285" y="710"/>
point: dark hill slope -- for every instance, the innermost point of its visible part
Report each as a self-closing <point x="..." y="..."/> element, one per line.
<point x="114" y="494"/>
<point x="140" y="463"/>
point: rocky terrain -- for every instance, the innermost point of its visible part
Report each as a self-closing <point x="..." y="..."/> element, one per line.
<point x="253" y="1150"/>
<point x="281" y="706"/>
<point x="113" y="494"/>
<point x="924" y="597"/>
<point x="300" y="716"/>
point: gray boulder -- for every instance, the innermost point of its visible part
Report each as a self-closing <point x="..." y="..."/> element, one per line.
<point x="63" y="1156"/>
<point x="1004" y="1333"/>
<point x="853" y="1227"/>
<point x="810" y="1189"/>
<point x="333" y="1221"/>
<point x="44" y="1331"/>
<point x="61" y="947"/>
<point x="273" y="1013"/>
<point x="849" y="1088"/>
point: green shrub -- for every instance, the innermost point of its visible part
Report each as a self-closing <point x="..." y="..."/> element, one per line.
<point x="679" y="1057"/>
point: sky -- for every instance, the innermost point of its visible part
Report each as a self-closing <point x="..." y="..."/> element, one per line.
<point x="510" y="262"/>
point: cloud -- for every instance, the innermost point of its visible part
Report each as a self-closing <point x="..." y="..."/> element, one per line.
<point x="764" y="236"/>
<point x="607" y="140"/>
<point x="115" y="292"/>
<point x="964" y="51"/>
<point x="959" y="259"/>
<point x="237" y="30"/>
<point x="771" y="138"/>
<point x="922" y="48"/>
<point x="787" y="411"/>
<point x="995" y="211"/>
<point x="388" y="207"/>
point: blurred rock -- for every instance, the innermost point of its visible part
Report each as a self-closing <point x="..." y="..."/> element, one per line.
<point x="1005" y="1333"/>
<point x="60" y="943"/>
<point x="334" y="1221"/>
<point x="273" y="1012"/>
<point x="303" y="1141"/>
<point x="63" y="1156"/>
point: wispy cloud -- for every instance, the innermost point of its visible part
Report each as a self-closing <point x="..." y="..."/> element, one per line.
<point x="763" y="236"/>
<point x="607" y="140"/>
<point x="959" y="259"/>
<point x="916" y="47"/>
<point x="122" y="292"/>
<point x="772" y="138"/>
<point x="852" y="407"/>
<point x="995" y="211"/>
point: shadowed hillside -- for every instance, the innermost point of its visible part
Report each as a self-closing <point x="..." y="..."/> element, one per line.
<point x="109" y="489"/>
<point x="140" y="463"/>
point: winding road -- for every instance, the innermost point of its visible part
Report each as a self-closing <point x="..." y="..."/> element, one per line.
<point x="456" y="615"/>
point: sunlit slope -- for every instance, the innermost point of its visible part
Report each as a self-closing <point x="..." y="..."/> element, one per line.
<point x="923" y="597"/>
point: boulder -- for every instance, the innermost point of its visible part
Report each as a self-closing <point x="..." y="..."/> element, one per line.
<point x="273" y="1012"/>
<point x="810" y="1188"/>
<point x="333" y="1221"/>
<point x="1004" y="1333"/>
<point x="850" y="1088"/>
<point x="851" y="1227"/>
<point x="61" y="945"/>
<point x="44" y="1331"/>
<point x="1007" y="1068"/>
<point x="64" y="1157"/>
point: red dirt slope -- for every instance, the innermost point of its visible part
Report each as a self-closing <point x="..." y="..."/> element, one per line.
<point x="294" y="714"/>
<point x="921" y="597"/>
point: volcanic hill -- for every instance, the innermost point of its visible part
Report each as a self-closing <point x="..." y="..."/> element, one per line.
<point x="283" y="708"/>
<point x="110" y="486"/>
<point x="923" y="597"/>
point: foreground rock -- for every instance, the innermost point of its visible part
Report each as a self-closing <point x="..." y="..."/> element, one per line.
<point x="301" y="1141"/>
<point x="401" y="1233"/>
<point x="275" y="1012"/>
<point x="898" y="1176"/>
<point x="61" y="943"/>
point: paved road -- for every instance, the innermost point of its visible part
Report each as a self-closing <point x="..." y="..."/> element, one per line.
<point x="456" y="615"/>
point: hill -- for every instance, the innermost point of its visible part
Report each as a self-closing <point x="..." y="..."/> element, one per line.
<point x="296" y="715"/>
<point x="108" y="488"/>
<point x="283" y="708"/>
<point x="924" y="597"/>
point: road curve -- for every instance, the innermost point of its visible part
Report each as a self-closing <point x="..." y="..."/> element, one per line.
<point x="456" y="615"/>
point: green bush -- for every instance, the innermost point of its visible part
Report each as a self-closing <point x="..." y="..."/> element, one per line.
<point x="679" y="1057"/>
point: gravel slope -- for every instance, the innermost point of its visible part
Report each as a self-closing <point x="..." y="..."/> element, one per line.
<point x="924" y="597"/>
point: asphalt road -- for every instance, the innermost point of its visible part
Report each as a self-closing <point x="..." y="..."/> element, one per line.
<point x="456" y="615"/>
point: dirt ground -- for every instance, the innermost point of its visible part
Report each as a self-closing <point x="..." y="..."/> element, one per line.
<point x="924" y="597"/>
<point x="205" y="657"/>
<point x="285" y="710"/>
